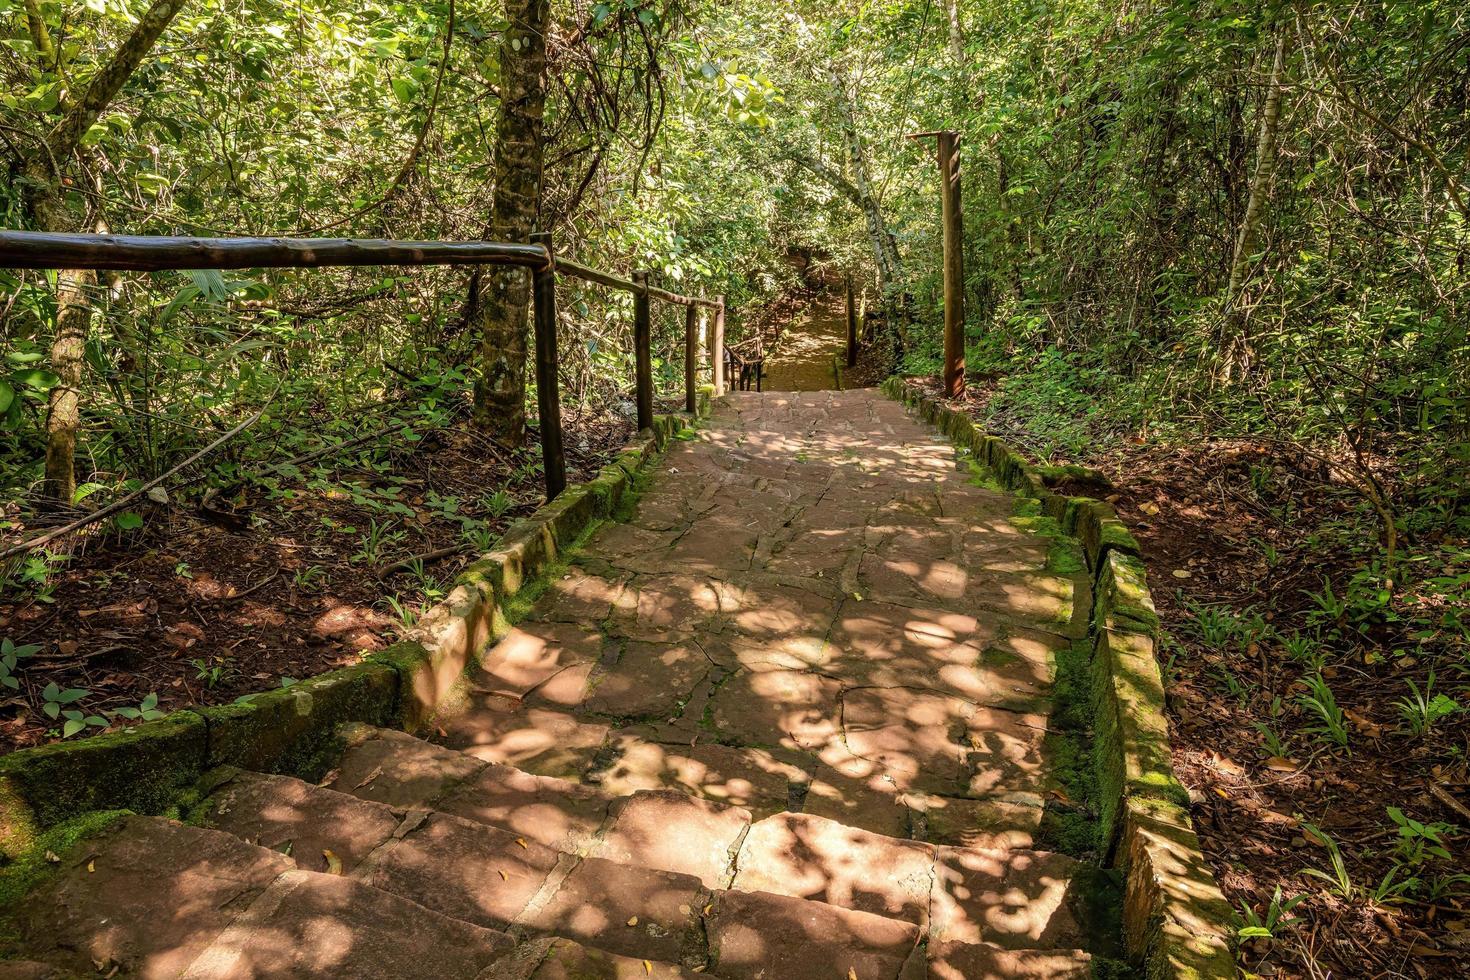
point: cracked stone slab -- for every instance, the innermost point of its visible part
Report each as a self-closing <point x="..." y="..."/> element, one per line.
<point x="531" y="656"/>
<point x="562" y="815"/>
<point x="546" y="740"/>
<point x="299" y="819"/>
<point x="806" y="856"/>
<point x="1019" y="899"/>
<point x="746" y="777"/>
<point x="671" y="831"/>
<point x="397" y="769"/>
<point x="555" y="958"/>
<point x="461" y="869"/>
<point x="649" y="679"/>
<point x="760" y="936"/>
<point x="624" y="909"/>
<point x="797" y="709"/>
<point x="310" y="924"/>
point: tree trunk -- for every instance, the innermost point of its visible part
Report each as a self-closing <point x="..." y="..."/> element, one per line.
<point x="885" y="249"/>
<point x="500" y="388"/>
<point x="1236" y="347"/>
<point x="956" y="32"/>
<point x="48" y="210"/>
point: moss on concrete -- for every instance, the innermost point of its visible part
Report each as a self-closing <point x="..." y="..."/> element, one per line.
<point x="292" y="730"/>
<point x="141" y="768"/>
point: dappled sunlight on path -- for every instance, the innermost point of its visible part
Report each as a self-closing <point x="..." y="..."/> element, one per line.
<point x="801" y="360"/>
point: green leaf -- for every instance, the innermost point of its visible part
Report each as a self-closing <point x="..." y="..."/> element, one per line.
<point x="405" y="89"/>
<point x="36" y="378"/>
<point x="7" y="395"/>
<point x="72" y="726"/>
<point x="84" y="491"/>
<point x="128" y="520"/>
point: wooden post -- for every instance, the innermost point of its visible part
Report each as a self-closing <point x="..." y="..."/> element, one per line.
<point x="954" y="265"/>
<point x="548" y="397"/>
<point x="852" y="331"/>
<point x="643" y="352"/>
<point x="691" y="358"/>
<point x="717" y="345"/>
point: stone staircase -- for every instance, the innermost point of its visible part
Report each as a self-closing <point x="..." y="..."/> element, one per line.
<point x="794" y="719"/>
<point x="415" y="859"/>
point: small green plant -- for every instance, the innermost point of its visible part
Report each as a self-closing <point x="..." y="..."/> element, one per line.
<point x="1422" y="710"/>
<point x="309" y="579"/>
<point x="1215" y="624"/>
<point x="54" y="704"/>
<point x="210" y="673"/>
<point x="1306" y="650"/>
<point x="182" y="570"/>
<point x="376" y="542"/>
<point x="1321" y="702"/>
<point x="427" y="584"/>
<point x="1277" y="916"/>
<point x="1330" y="609"/>
<point x="478" y="537"/>
<point x="1270" y="739"/>
<point x="1444" y="886"/>
<point x="1338" y="879"/>
<point x="10" y="655"/>
<point x="402" y="611"/>
<point x="1418" y="841"/>
<point x="147" y="710"/>
<point x="1390" y="889"/>
<point x="498" y="503"/>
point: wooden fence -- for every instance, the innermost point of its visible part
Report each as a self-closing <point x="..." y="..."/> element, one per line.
<point x="145" y="253"/>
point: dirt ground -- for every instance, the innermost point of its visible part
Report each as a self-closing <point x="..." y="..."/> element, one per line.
<point x="275" y="583"/>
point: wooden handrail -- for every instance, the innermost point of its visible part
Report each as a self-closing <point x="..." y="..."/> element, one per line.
<point x="155" y="253"/>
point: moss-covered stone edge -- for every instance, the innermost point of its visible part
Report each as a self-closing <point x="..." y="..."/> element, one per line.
<point x="1176" y="922"/>
<point x="148" y="767"/>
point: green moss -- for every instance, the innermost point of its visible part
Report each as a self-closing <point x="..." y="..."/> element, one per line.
<point x="30" y="868"/>
<point x="141" y="768"/>
<point x="1071" y="827"/>
<point x="1064" y="557"/>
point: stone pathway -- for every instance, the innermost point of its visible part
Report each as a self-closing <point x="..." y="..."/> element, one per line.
<point x="802" y="359"/>
<point x="795" y="719"/>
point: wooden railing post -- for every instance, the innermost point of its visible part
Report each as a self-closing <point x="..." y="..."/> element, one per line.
<point x="954" y="265"/>
<point x="691" y="358"/>
<point x="852" y="330"/>
<point x="548" y="397"/>
<point x="643" y="351"/>
<point x="717" y="346"/>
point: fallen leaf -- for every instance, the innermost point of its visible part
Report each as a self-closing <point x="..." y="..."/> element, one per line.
<point x="1279" y="763"/>
<point x="633" y="921"/>
<point x="522" y="842"/>
<point x="1183" y="573"/>
<point x="647" y="967"/>
<point x="334" y="863"/>
<point x="503" y="875"/>
<point x="91" y="867"/>
<point x="370" y="777"/>
<point x="1149" y="507"/>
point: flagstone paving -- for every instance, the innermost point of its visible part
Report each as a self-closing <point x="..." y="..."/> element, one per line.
<point x="797" y="717"/>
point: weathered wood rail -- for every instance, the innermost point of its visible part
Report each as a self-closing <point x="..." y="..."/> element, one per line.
<point x="155" y="253"/>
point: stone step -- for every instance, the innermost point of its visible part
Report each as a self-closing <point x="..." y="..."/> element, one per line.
<point x="1010" y="898"/>
<point x="836" y="783"/>
<point x="151" y="898"/>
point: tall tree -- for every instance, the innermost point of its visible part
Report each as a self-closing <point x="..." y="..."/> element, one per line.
<point x="43" y="173"/>
<point x="500" y="388"/>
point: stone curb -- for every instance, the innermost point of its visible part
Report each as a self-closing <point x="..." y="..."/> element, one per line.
<point x="146" y="767"/>
<point x="1175" y="920"/>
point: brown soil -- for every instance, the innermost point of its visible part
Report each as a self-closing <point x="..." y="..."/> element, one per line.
<point x="278" y="585"/>
<point x="1205" y="526"/>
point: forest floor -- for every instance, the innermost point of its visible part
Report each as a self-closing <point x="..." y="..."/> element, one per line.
<point x="1238" y="538"/>
<point x="292" y="579"/>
